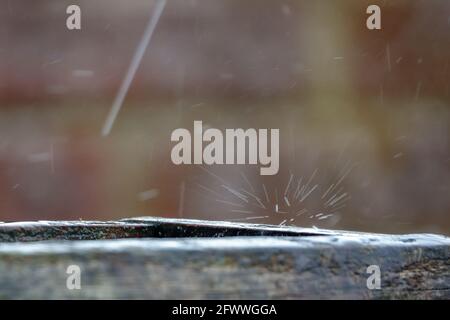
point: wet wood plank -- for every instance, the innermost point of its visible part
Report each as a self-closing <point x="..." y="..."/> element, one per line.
<point x="190" y="259"/>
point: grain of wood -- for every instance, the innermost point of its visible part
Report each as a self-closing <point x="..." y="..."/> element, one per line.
<point x="155" y="258"/>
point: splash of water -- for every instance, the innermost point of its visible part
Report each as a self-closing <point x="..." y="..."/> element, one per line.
<point x="289" y="205"/>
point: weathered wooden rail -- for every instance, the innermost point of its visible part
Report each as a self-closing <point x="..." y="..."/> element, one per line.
<point x="152" y="258"/>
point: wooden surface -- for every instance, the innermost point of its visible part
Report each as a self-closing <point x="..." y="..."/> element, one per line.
<point x="151" y="258"/>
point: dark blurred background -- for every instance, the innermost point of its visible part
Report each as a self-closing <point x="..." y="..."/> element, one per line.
<point x="363" y="115"/>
